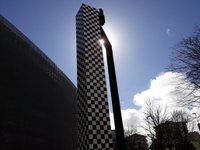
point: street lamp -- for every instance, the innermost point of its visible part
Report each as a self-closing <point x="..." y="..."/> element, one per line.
<point x="119" y="130"/>
<point x="197" y="117"/>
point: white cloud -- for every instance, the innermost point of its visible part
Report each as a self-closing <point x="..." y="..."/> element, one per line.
<point x="170" y="31"/>
<point x="132" y="119"/>
<point x="162" y="90"/>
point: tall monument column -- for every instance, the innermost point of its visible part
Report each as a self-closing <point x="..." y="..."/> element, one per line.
<point x="94" y="131"/>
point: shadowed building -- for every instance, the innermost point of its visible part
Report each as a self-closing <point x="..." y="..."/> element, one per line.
<point x="37" y="101"/>
<point x="136" y="142"/>
<point x="133" y="141"/>
<point x="172" y="132"/>
<point x="94" y="130"/>
<point x="172" y="135"/>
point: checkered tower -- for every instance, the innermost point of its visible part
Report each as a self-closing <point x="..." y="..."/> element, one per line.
<point x="94" y="131"/>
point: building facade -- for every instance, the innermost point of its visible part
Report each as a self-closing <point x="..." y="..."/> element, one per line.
<point x="136" y="142"/>
<point x="172" y="135"/>
<point x="94" y="131"/>
<point x="37" y="100"/>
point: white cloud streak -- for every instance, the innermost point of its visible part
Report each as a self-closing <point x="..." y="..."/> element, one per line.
<point x="170" y="32"/>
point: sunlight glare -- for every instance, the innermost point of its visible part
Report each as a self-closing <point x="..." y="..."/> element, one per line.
<point x="101" y="41"/>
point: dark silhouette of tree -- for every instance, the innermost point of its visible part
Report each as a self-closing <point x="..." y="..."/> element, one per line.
<point x="185" y="59"/>
<point x="181" y="118"/>
<point x="154" y="116"/>
<point x="130" y="131"/>
<point x="135" y="140"/>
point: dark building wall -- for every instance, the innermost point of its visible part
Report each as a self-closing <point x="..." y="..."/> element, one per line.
<point x="172" y="135"/>
<point x="136" y="142"/>
<point x="37" y="101"/>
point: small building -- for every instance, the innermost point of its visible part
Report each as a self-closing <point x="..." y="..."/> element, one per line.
<point x="136" y="142"/>
<point x="171" y="135"/>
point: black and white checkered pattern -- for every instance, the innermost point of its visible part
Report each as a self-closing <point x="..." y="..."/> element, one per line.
<point x="94" y="132"/>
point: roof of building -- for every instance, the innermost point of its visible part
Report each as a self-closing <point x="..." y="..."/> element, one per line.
<point x="36" y="49"/>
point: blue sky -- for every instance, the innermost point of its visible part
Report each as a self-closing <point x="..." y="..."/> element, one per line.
<point x="143" y="33"/>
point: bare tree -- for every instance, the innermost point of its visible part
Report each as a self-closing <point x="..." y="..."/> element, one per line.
<point x="154" y="116"/>
<point x="130" y="141"/>
<point x="130" y="131"/>
<point x="185" y="59"/>
<point x="183" y="118"/>
<point x="135" y="140"/>
<point x="180" y="116"/>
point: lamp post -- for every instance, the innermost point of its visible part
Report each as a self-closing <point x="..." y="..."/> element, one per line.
<point x="197" y="117"/>
<point x="119" y="130"/>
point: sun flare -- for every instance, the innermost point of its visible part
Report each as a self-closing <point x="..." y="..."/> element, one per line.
<point x="101" y="41"/>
